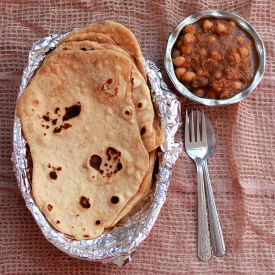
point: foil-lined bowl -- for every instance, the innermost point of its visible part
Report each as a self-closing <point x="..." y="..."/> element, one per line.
<point x="119" y="244"/>
<point x="244" y="25"/>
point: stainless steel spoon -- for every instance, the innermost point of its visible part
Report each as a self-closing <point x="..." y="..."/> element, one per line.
<point x="216" y="235"/>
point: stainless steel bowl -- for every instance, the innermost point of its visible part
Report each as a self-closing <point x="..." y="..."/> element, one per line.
<point x="215" y="14"/>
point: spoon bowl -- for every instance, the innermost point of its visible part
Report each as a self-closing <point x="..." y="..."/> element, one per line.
<point x="211" y="139"/>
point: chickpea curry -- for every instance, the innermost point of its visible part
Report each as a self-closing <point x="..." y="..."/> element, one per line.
<point x="214" y="58"/>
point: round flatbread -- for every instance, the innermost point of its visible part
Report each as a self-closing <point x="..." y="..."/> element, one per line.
<point x="79" y="119"/>
<point x="151" y="134"/>
<point x="143" y="190"/>
<point x="121" y="35"/>
<point x="92" y="36"/>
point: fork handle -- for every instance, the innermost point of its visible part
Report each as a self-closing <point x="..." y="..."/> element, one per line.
<point x="204" y="248"/>
<point x="217" y="241"/>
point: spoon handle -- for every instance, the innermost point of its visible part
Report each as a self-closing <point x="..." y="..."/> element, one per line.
<point x="204" y="247"/>
<point x="217" y="241"/>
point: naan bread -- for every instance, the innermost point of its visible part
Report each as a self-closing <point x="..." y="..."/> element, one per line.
<point x="79" y="119"/>
<point x="121" y="35"/>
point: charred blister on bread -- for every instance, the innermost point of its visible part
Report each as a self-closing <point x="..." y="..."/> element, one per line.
<point x="108" y="164"/>
<point x="54" y="120"/>
<point x="53" y="174"/>
<point x="84" y="202"/>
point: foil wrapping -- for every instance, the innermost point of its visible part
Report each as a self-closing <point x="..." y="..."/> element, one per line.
<point x="119" y="244"/>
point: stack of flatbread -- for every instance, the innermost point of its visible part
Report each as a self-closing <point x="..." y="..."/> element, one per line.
<point x="89" y="121"/>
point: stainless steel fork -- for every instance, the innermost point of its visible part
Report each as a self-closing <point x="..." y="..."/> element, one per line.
<point x="196" y="148"/>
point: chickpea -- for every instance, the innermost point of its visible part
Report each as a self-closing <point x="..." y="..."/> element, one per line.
<point x="232" y="24"/>
<point x="217" y="74"/>
<point x="215" y="55"/>
<point x="176" y="53"/>
<point x="233" y="59"/>
<point x="179" y="43"/>
<point x="237" y="58"/>
<point x="188" y="38"/>
<point x="216" y="86"/>
<point x="188" y="76"/>
<point x="239" y="40"/>
<point x="246" y="63"/>
<point x="202" y="81"/>
<point x="224" y="94"/>
<point x="186" y="49"/>
<point x="211" y="39"/>
<point x="201" y="72"/>
<point x="195" y="83"/>
<point x="179" y="61"/>
<point x="211" y="94"/>
<point x="220" y="28"/>
<point x="179" y="72"/>
<point x="231" y="73"/>
<point x="237" y="85"/>
<point x="202" y="52"/>
<point x="199" y="92"/>
<point x="190" y="29"/>
<point x="207" y="25"/>
<point x="243" y="52"/>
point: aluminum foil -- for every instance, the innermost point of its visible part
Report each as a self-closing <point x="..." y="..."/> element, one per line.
<point x="116" y="246"/>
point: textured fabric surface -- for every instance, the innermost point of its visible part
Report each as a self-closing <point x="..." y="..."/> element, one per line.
<point x="242" y="168"/>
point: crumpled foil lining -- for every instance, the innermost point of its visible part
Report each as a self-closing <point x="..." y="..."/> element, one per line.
<point x="116" y="246"/>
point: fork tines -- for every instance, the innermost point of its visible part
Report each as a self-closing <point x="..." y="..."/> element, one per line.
<point x="190" y="134"/>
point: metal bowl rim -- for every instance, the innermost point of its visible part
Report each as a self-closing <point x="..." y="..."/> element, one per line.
<point x="244" y="25"/>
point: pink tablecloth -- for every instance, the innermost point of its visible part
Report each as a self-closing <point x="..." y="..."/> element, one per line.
<point x="242" y="167"/>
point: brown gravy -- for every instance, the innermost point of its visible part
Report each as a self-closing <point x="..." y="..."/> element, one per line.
<point x="214" y="58"/>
